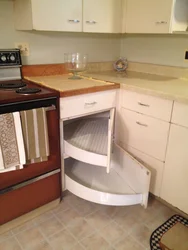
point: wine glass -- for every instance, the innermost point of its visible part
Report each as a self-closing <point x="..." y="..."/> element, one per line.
<point x="75" y="62"/>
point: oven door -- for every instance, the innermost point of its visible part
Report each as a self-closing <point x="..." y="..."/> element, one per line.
<point x="15" y="179"/>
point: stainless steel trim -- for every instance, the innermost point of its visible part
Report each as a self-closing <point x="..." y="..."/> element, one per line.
<point x="90" y="103"/>
<point x="53" y="107"/>
<point x="26" y="183"/>
<point x="143" y="104"/>
<point x="161" y="22"/>
<point x="73" y="20"/>
<point x="91" y="22"/>
<point x="142" y="124"/>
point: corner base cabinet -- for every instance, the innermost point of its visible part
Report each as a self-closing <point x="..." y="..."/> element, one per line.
<point x="174" y="186"/>
<point x="96" y="169"/>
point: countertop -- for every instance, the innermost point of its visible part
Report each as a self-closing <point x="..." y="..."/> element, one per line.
<point x="157" y="85"/>
<point x="161" y="86"/>
<point x="69" y="87"/>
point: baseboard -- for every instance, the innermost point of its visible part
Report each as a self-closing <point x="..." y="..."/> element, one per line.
<point x="29" y="216"/>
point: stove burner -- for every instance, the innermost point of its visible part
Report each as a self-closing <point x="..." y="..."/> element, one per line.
<point x="12" y="85"/>
<point x="28" y="91"/>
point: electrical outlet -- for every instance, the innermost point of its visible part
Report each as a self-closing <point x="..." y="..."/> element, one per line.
<point x="24" y="48"/>
<point x="186" y="55"/>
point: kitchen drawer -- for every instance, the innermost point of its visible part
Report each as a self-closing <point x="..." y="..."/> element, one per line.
<point x="147" y="134"/>
<point x="85" y="104"/>
<point x="180" y="114"/>
<point x="156" y="168"/>
<point x="148" y="105"/>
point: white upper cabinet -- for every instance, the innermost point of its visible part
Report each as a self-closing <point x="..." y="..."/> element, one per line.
<point x="147" y="16"/>
<point x="61" y="15"/>
<point x="102" y="16"/>
<point x="154" y="16"/>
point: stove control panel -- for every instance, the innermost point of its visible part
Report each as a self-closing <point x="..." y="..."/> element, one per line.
<point x="10" y="58"/>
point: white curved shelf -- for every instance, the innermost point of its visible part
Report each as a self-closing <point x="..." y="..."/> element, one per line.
<point x="126" y="184"/>
<point x="87" y="140"/>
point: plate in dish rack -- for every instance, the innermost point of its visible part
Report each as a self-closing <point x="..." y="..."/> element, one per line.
<point x="121" y="64"/>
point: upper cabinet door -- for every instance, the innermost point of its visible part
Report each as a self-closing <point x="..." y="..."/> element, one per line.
<point x="102" y="16"/>
<point x="61" y="15"/>
<point x="147" y="16"/>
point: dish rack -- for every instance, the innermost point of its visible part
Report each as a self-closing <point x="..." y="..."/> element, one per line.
<point x="96" y="168"/>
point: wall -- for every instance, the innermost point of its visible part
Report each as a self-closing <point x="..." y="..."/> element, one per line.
<point x="155" y="49"/>
<point x="49" y="47"/>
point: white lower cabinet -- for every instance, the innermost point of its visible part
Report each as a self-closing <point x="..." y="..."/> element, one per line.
<point x="96" y="169"/>
<point x="147" y="134"/>
<point x="156" y="168"/>
<point x="175" y="180"/>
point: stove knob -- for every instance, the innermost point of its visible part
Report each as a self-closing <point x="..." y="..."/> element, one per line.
<point x="12" y="58"/>
<point x="3" y="58"/>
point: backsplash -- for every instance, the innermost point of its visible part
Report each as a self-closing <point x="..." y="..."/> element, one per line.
<point x="49" y="47"/>
<point x="155" y="49"/>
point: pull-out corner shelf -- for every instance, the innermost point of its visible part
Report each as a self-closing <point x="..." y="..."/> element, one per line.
<point x="85" y="142"/>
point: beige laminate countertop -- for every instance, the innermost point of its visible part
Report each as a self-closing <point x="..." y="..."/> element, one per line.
<point x="69" y="87"/>
<point x="162" y="86"/>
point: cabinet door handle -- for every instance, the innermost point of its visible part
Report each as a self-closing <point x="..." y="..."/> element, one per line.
<point x="91" y="22"/>
<point x="143" y="104"/>
<point x="142" y="124"/>
<point x="90" y="103"/>
<point x="73" y="20"/>
<point x="161" y="22"/>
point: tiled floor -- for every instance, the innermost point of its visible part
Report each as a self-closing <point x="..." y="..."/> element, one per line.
<point x="77" y="224"/>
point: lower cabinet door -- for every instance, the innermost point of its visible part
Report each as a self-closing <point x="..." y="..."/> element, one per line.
<point x="146" y="134"/>
<point x="156" y="168"/>
<point x="175" y="180"/>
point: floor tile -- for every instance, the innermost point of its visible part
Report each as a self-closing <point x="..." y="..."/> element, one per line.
<point x="128" y="243"/>
<point x="69" y="217"/>
<point x="142" y="234"/>
<point x="81" y="229"/>
<point x="94" y="242"/>
<point x="41" y="218"/>
<point x="41" y="246"/>
<point x="112" y="232"/>
<point x="98" y="220"/>
<point x="62" y="240"/>
<point x="29" y="238"/>
<point x="5" y="236"/>
<point x="9" y="244"/>
<point x="50" y="226"/>
<point x="77" y="247"/>
<point x="63" y="206"/>
<point x="23" y="227"/>
<point x="85" y="208"/>
<point x="127" y="222"/>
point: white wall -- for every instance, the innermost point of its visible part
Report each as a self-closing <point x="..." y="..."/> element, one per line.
<point x="156" y="49"/>
<point x="49" y="47"/>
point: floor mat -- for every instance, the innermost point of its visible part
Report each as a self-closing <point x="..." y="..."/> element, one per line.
<point x="158" y="233"/>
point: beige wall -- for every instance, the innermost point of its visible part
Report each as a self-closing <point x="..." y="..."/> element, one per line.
<point x="156" y="49"/>
<point x="49" y="47"/>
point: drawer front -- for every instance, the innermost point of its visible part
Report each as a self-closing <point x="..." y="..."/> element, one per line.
<point x="155" y="166"/>
<point x="180" y="114"/>
<point x="144" y="133"/>
<point x="88" y="103"/>
<point x="148" y="105"/>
